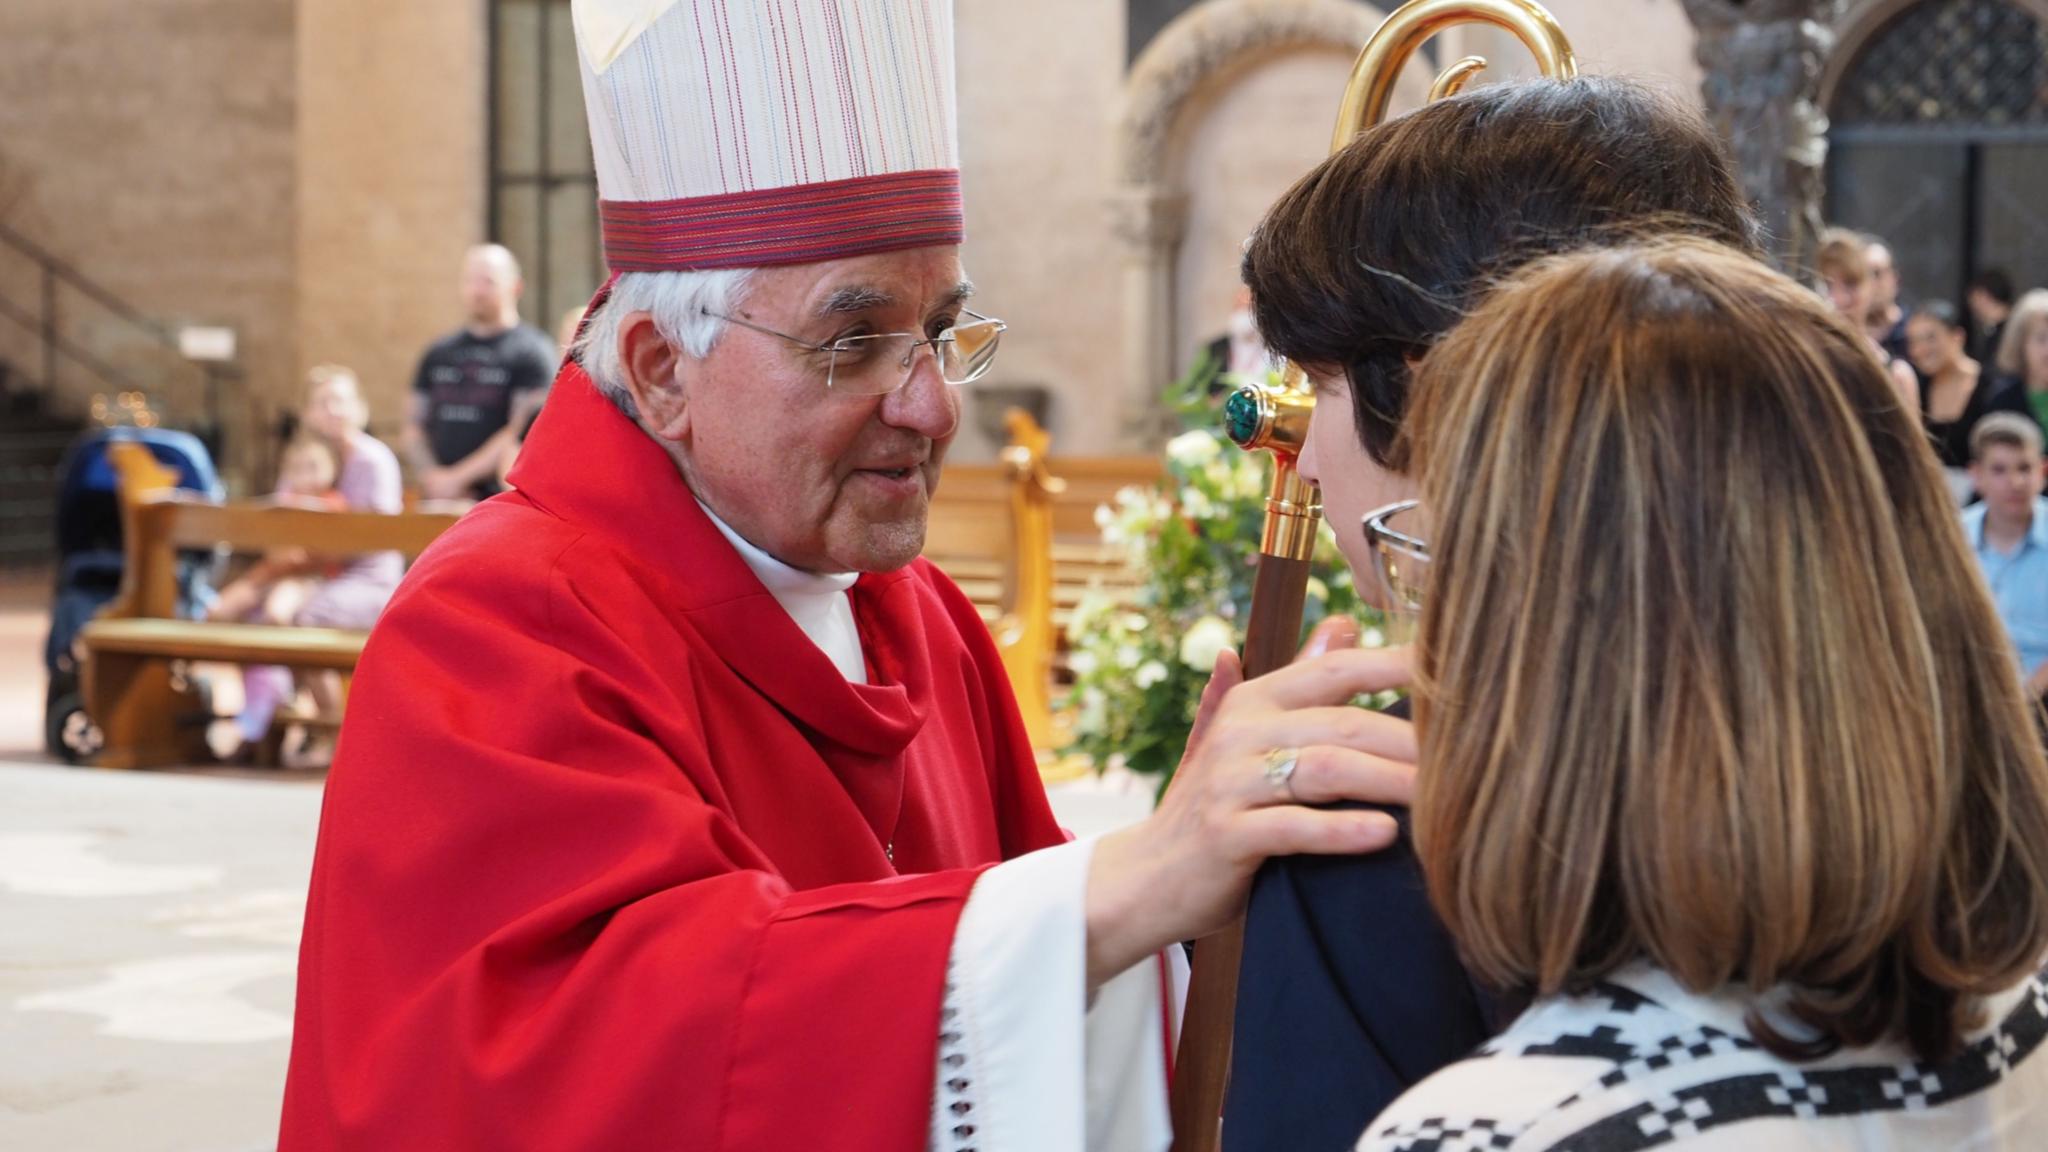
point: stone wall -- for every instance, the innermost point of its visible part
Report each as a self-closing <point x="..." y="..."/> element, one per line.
<point x="393" y="139"/>
<point x="1245" y="139"/>
<point x="151" y="145"/>
<point x="1039" y="85"/>
<point x="309" y="171"/>
<point x="1651" y="40"/>
<point x="1043" y="89"/>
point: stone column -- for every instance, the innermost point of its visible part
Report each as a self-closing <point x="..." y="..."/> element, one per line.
<point x="1763" y="62"/>
<point x="1149" y="220"/>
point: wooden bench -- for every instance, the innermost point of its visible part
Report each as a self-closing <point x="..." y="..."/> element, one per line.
<point x="138" y="652"/>
<point x="1018" y="536"/>
<point x="970" y="538"/>
<point x="1020" y="539"/>
<point x="1080" y="560"/>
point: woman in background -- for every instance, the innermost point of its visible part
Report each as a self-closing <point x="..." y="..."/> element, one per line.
<point x="1956" y="391"/>
<point x="2022" y="358"/>
<point x="367" y="479"/>
<point x="275" y="587"/>
<point x="1724" y="759"/>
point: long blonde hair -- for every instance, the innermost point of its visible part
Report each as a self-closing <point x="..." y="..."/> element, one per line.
<point x="1707" y="674"/>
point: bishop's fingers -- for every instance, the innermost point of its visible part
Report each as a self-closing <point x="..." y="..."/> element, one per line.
<point x="1359" y="729"/>
<point x="1324" y="775"/>
<point x="1333" y="677"/>
<point x="1295" y="831"/>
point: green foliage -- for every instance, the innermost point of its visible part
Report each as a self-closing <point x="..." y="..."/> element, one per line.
<point x="1140" y="664"/>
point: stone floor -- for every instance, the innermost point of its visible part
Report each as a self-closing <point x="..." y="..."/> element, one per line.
<point x="149" y="924"/>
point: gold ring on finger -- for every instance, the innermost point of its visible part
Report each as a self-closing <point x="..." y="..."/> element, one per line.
<point x="1280" y="765"/>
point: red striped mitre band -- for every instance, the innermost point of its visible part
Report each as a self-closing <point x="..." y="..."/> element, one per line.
<point x="801" y="224"/>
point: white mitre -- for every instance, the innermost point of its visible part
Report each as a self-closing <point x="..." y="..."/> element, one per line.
<point x="747" y="133"/>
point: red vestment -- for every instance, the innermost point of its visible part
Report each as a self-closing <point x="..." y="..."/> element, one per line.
<point x="602" y="858"/>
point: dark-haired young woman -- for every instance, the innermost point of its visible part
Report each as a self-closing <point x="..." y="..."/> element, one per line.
<point x="1351" y="991"/>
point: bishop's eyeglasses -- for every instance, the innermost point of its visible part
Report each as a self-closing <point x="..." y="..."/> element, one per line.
<point x="878" y="364"/>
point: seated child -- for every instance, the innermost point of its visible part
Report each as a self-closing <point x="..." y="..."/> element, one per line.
<point x="276" y="586"/>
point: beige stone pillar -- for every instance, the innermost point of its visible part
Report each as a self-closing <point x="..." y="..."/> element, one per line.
<point x="1148" y="220"/>
<point x="392" y="148"/>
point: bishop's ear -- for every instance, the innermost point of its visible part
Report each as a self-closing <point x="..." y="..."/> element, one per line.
<point x="650" y="365"/>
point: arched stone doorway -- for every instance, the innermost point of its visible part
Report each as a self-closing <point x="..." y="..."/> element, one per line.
<point x="1175" y="80"/>
<point x="1939" y="138"/>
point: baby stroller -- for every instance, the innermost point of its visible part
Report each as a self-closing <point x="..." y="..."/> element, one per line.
<point x="90" y="560"/>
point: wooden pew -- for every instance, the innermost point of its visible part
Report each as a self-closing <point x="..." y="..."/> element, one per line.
<point x="1080" y="559"/>
<point x="1020" y="539"/>
<point x="969" y="540"/>
<point x="1018" y="536"/>
<point x="967" y="535"/>
<point x="137" y="689"/>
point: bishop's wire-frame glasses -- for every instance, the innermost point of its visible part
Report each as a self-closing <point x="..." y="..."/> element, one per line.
<point x="878" y="364"/>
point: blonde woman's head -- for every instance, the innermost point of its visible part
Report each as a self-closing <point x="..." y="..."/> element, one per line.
<point x="1707" y="675"/>
<point x="1843" y="262"/>
<point x="334" y="403"/>
<point x="2023" y="346"/>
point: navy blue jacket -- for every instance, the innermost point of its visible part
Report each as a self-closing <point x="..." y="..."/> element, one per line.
<point x="1351" y="992"/>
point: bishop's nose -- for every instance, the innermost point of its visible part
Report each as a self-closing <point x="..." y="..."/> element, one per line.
<point x="926" y="404"/>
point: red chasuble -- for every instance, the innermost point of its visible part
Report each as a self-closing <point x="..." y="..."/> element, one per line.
<point x="603" y="862"/>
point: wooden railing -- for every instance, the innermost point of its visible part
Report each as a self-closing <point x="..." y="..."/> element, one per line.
<point x="186" y="393"/>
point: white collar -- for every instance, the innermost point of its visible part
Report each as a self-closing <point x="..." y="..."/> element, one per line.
<point x="817" y="602"/>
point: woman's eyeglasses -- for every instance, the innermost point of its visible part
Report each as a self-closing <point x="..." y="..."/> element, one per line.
<point x="1400" y="554"/>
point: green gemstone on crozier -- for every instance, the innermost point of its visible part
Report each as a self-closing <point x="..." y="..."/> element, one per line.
<point x="1241" y="416"/>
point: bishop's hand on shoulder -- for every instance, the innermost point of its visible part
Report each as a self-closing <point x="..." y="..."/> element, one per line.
<point x="1261" y="754"/>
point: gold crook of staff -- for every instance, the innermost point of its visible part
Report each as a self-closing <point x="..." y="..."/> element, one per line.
<point x="1275" y="419"/>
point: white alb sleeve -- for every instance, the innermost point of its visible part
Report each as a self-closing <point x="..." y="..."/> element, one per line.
<point x="1027" y="1061"/>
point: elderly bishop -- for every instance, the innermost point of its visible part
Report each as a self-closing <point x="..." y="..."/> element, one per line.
<point x="679" y="804"/>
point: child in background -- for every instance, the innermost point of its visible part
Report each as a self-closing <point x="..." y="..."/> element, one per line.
<point x="274" y="589"/>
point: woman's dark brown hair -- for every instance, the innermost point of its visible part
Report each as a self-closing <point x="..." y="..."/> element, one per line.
<point x="1706" y="672"/>
<point x="1382" y="248"/>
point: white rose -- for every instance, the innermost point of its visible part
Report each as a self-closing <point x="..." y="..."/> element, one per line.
<point x="1193" y="449"/>
<point x="1204" y="640"/>
<point x="1197" y="505"/>
<point x="1128" y="656"/>
<point x="1081" y="663"/>
<point x="1149" y="673"/>
<point x="1094" y="718"/>
<point x="1372" y="638"/>
<point x="1247" y="480"/>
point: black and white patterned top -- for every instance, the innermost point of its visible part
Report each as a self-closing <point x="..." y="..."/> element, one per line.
<point x="1641" y="1063"/>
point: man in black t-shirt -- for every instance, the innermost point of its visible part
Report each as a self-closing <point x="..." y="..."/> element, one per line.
<point x="478" y="387"/>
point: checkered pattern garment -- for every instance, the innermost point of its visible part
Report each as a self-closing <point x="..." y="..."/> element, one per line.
<point x="1640" y="1063"/>
<point x="749" y="133"/>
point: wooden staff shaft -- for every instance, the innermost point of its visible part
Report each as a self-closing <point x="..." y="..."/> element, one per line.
<point x="1202" y="1069"/>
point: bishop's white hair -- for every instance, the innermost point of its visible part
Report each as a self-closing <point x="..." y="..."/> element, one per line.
<point x="678" y="302"/>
